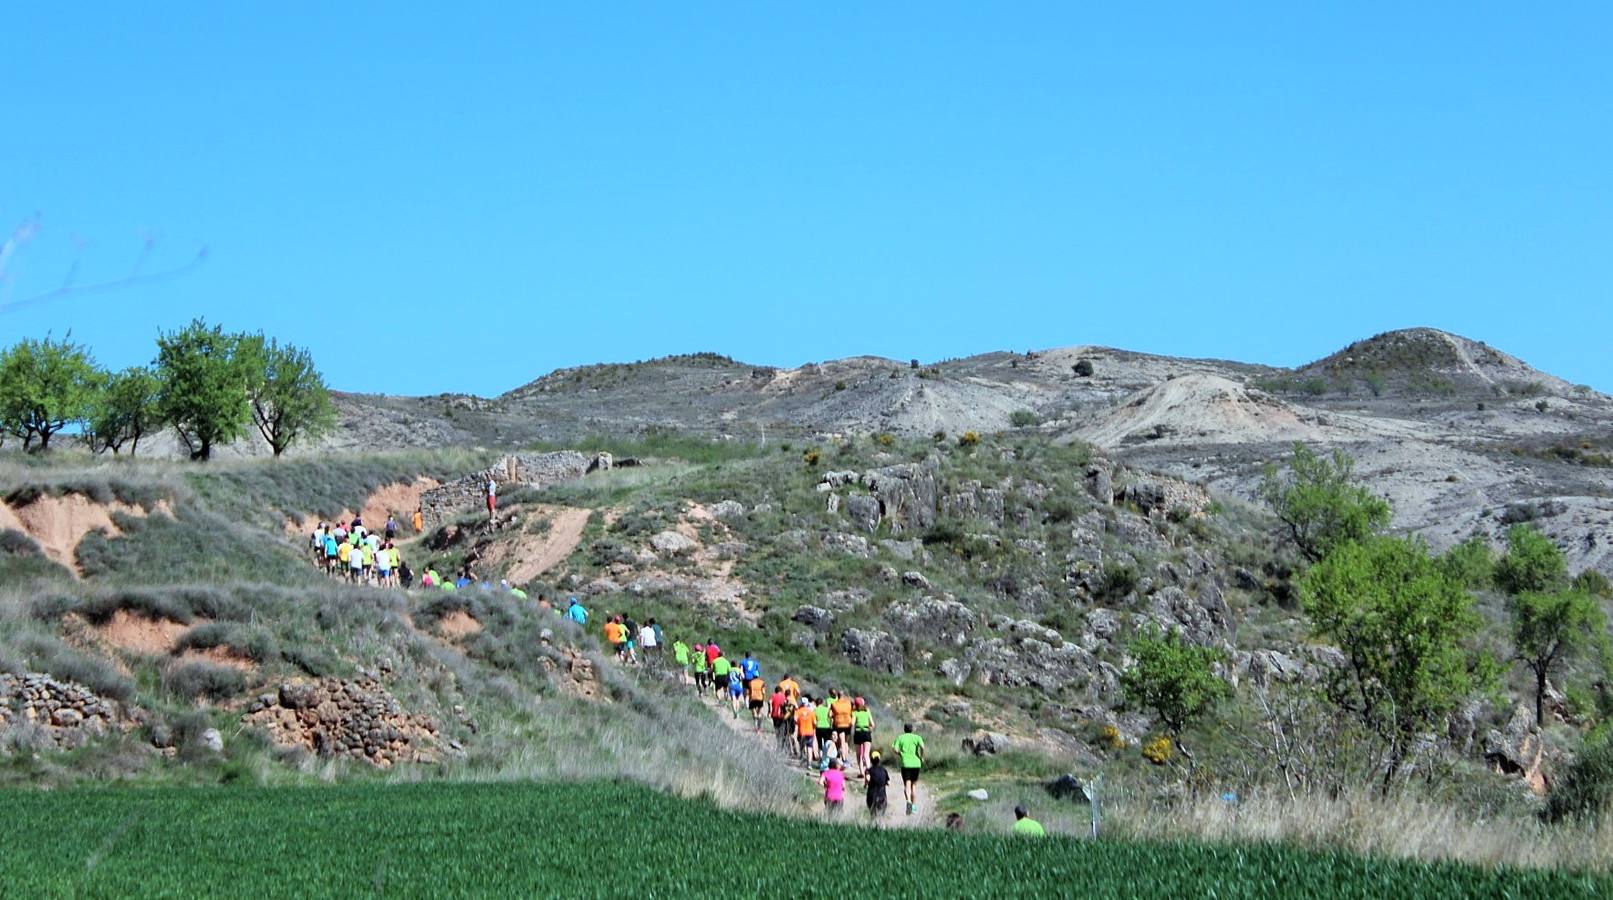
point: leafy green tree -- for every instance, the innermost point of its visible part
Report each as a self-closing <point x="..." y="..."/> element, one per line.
<point x="287" y="395"/>
<point x="45" y="386"/>
<point x="1549" y="628"/>
<point x="1471" y="563"/>
<point x="1532" y="563"/>
<point x="1320" y="504"/>
<point x="1404" y="626"/>
<point x="1173" y="679"/>
<point x="125" y="411"/>
<point x="203" y="392"/>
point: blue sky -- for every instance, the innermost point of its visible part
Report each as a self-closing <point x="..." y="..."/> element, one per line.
<point x="466" y="198"/>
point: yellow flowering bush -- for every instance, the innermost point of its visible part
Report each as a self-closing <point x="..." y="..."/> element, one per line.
<point x="1158" y="751"/>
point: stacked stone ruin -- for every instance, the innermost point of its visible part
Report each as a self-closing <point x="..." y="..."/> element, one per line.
<point x="68" y="714"/>
<point x="357" y="719"/>
<point x="441" y="504"/>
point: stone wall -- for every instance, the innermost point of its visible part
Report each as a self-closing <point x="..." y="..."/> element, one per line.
<point x="441" y="504"/>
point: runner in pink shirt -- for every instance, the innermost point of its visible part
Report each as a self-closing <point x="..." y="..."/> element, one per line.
<point x="834" y="787"/>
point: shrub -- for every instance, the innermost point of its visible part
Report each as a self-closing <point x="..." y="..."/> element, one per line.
<point x="1024" y="418"/>
<point x="55" y="659"/>
<point x="940" y="437"/>
<point x="885" y="439"/>
<point x="192" y="680"/>
<point x="1593" y="582"/>
<point x="1118" y="582"/>
<point x="812" y="456"/>
<point x="1585" y="788"/>
<point x="840" y="385"/>
<point x="1083" y="368"/>
<point x="969" y="439"/>
<point x="1158" y="751"/>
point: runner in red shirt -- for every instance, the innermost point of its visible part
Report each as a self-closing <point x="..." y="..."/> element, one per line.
<point x="777" y="708"/>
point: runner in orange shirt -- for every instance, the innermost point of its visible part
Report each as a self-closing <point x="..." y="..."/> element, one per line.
<point x="840" y="710"/>
<point x="756" y="694"/>
<point x="806" y="731"/>
<point x="791" y="688"/>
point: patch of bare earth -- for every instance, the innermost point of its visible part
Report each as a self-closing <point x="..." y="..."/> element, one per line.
<point x="220" y="656"/>
<point x="134" y="633"/>
<point x="58" y="524"/>
<point x="458" y="625"/>
<point x="574" y="674"/>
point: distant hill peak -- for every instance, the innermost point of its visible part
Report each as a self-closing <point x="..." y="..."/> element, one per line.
<point x="1428" y="360"/>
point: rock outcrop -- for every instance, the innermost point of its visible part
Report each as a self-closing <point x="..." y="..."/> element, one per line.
<point x="875" y="650"/>
<point x="334" y="718"/>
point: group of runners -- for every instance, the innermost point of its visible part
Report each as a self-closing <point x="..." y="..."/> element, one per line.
<point x="826" y="732"/>
<point x="354" y="553"/>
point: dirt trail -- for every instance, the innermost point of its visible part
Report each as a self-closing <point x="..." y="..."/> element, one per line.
<point x="566" y="526"/>
<point x="923" y="817"/>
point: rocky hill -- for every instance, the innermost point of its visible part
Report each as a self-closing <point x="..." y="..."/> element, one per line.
<point x="1461" y="437"/>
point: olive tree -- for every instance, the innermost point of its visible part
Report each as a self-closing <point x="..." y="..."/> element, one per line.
<point x="286" y="394"/>
<point x="46" y="386"/>
<point x="125" y="411"/>
<point x="1548" y="628"/>
<point x="203" y="392"/>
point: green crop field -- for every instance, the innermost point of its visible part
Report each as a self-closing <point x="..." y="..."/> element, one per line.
<point x="600" y="838"/>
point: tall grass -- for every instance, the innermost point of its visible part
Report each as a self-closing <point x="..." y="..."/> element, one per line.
<point x="1403" y="826"/>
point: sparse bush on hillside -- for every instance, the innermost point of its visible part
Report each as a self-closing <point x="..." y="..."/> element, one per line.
<point x="1584" y="789"/>
<point x="969" y="439"/>
<point x="199" y="679"/>
<point x="1023" y="418"/>
<point x="1594" y="583"/>
<point x="812" y="456"/>
<point x="1118" y="582"/>
<point x="40" y="653"/>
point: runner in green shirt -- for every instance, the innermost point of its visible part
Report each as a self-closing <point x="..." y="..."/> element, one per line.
<point x="699" y="660"/>
<point x="1025" y="825"/>
<point x="823" y="722"/>
<point x="720" y="667"/>
<point x="910" y="753"/>
<point x="862" y="735"/>
<point x="680" y="652"/>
